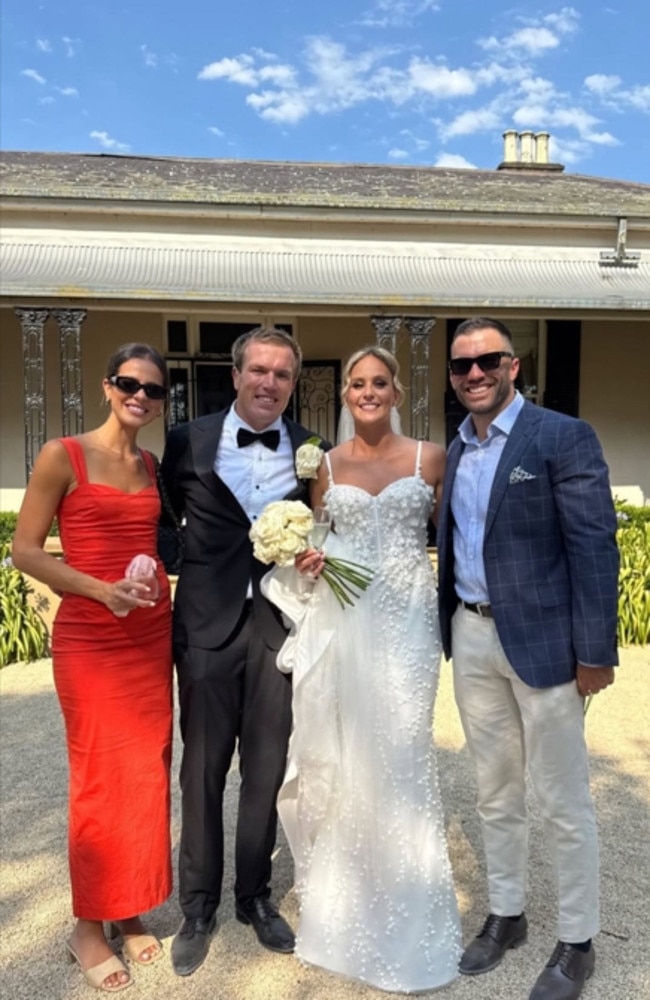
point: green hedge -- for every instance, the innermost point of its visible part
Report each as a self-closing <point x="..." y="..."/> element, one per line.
<point x="23" y="635"/>
<point x="8" y="520"/>
<point x="7" y="526"/>
<point x="633" y="537"/>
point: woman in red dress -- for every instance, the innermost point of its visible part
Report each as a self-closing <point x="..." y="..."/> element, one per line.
<point x="112" y="660"/>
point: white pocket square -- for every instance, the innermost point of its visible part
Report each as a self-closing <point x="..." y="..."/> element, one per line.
<point x="519" y="475"/>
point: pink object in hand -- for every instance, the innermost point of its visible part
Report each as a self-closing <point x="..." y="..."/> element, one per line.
<point x="142" y="566"/>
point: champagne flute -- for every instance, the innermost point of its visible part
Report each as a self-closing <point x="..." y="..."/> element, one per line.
<point x="319" y="531"/>
<point x="321" y="528"/>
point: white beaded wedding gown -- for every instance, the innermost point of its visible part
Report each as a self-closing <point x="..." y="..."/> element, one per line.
<point x="360" y="803"/>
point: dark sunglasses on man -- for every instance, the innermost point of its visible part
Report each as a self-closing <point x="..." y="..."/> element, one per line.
<point x="486" y="362"/>
<point x="131" y="385"/>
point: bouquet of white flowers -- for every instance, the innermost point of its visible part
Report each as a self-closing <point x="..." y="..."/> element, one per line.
<point x="282" y="531"/>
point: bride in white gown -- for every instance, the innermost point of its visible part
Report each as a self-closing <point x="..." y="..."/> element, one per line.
<point x="360" y="803"/>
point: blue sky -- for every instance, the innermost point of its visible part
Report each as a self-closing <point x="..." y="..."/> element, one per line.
<point x="376" y="81"/>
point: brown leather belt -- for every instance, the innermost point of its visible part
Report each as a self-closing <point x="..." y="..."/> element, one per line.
<point x="484" y="610"/>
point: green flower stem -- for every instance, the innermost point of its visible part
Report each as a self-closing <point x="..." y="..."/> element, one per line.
<point x="347" y="580"/>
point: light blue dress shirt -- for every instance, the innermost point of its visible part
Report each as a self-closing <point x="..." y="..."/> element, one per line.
<point x="470" y="497"/>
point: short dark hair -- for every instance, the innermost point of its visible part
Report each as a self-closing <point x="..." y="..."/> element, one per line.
<point x="266" y="335"/>
<point x="482" y="323"/>
<point x="128" y="351"/>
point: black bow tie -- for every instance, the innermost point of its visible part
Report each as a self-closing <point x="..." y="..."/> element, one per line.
<point x="270" y="439"/>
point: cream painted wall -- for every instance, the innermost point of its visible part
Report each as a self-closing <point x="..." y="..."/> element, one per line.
<point x="615" y="399"/>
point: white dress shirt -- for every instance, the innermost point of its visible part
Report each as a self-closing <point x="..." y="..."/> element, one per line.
<point x="254" y="474"/>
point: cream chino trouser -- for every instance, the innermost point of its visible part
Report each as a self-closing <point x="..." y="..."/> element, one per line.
<point x="510" y="726"/>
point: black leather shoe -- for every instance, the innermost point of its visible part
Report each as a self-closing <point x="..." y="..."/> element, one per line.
<point x="488" y="948"/>
<point x="565" y="974"/>
<point x="272" y="930"/>
<point x="191" y="945"/>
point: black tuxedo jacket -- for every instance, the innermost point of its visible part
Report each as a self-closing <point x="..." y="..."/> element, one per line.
<point x="218" y="561"/>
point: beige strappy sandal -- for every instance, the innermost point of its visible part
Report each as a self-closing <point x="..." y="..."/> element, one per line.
<point x="134" y="945"/>
<point x="97" y="975"/>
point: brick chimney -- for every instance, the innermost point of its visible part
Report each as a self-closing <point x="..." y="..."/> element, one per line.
<point x="527" y="151"/>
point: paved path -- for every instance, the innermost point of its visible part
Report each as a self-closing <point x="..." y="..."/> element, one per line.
<point x="35" y="917"/>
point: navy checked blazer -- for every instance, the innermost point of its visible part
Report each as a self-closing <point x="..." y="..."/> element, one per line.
<point x="550" y="552"/>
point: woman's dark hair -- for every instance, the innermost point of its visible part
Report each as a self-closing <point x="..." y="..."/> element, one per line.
<point x="128" y="351"/>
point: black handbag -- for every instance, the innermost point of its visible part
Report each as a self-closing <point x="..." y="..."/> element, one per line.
<point x="171" y="533"/>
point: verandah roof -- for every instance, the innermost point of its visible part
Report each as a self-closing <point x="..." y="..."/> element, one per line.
<point x="318" y="272"/>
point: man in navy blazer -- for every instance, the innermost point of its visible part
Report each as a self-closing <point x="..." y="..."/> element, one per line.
<point x="220" y="471"/>
<point x="528" y="568"/>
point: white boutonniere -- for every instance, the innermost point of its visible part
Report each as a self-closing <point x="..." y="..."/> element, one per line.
<point x="308" y="458"/>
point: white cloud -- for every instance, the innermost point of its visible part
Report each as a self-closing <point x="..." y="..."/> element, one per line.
<point x="33" y="75"/>
<point x="612" y="94"/>
<point x="565" y="20"/>
<point x="286" y="107"/>
<point x="538" y="36"/>
<point x="329" y="77"/>
<point x="470" y="122"/>
<point x="531" y="40"/>
<point x="239" y="70"/>
<point x="216" y="131"/>
<point x="455" y="161"/>
<point x="601" y="84"/>
<point x="68" y="91"/>
<point x="419" y="143"/>
<point x="43" y="45"/>
<point x="70" y="46"/>
<point x="440" y="81"/>
<point x="494" y="72"/>
<point x="567" y="151"/>
<point x="536" y="88"/>
<point x="542" y="116"/>
<point x="394" y="13"/>
<point x="639" y="97"/>
<point x="46" y="100"/>
<point x="150" y="58"/>
<point x="105" y="140"/>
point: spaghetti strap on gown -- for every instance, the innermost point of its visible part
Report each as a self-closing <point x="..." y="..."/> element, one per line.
<point x="360" y="803"/>
<point x="113" y="677"/>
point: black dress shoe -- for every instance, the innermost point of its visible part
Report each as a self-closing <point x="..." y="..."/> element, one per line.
<point x="488" y="948"/>
<point x="191" y="945"/>
<point x="272" y="930"/>
<point x="565" y="974"/>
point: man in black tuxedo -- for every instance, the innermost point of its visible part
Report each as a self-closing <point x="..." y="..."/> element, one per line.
<point x="220" y="471"/>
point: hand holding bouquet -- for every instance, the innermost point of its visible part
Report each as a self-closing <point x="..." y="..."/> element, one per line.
<point x="283" y="531"/>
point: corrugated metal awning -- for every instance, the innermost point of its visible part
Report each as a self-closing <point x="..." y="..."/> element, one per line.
<point x="318" y="272"/>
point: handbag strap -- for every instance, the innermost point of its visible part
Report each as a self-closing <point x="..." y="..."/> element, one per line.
<point x="166" y="502"/>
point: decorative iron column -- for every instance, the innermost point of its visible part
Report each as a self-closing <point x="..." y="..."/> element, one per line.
<point x="69" y="322"/>
<point x="419" y="329"/>
<point x="386" y="330"/>
<point x="32" y="322"/>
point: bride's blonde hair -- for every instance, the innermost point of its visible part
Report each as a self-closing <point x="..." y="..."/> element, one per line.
<point x="382" y="355"/>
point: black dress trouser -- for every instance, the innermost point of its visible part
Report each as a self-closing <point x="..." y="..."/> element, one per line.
<point x="228" y="696"/>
